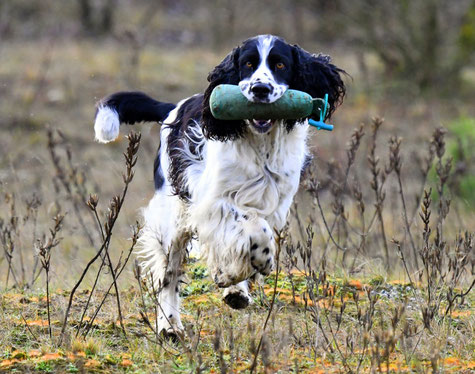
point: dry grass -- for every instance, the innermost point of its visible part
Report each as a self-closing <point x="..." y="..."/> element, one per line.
<point x="365" y="326"/>
<point x="375" y="269"/>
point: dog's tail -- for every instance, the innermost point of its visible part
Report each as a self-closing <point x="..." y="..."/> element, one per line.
<point x="129" y="108"/>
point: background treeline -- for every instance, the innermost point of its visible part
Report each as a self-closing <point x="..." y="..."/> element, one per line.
<point x="427" y="43"/>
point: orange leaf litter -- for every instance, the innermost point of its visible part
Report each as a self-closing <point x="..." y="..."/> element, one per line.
<point x="38" y="322"/>
<point x="51" y="356"/>
<point x="91" y="363"/>
<point x="126" y="362"/>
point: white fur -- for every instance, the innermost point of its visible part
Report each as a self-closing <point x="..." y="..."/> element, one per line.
<point x="163" y="243"/>
<point x="106" y="125"/>
<point x="255" y="177"/>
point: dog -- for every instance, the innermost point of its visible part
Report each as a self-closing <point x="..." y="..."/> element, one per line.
<point x="223" y="186"/>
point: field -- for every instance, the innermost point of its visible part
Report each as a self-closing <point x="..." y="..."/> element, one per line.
<point x="377" y="265"/>
<point x="366" y="326"/>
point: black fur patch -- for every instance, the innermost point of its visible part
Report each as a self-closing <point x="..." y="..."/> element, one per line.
<point x="188" y="116"/>
<point x="316" y="75"/>
<point x="306" y="165"/>
<point x="133" y="107"/>
<point x="158" y="177"/>
<point x="227" y="72"/>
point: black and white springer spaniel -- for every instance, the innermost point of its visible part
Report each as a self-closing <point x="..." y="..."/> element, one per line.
<point x="223" y="186"/>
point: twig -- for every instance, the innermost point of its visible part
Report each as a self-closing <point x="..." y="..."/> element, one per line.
<point x="395" y="165"/>
<point x="277" y="271"/>
<point x="403" y="259"/>
<point x="353" y="147"/>
<point x="325" y="222"/>
<point x="28" y="327"/>
<point x="65" y="179"/>
<point x="135" y="236"/>
<point x="377" y="183"/>
<point x="44" y="250"/>
<point x="460" y="295"/>
<point x="115" y="206"/>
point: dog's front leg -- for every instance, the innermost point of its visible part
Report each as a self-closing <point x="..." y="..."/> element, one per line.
<point x="237" y="244"/>
<point x="237" y="296"/>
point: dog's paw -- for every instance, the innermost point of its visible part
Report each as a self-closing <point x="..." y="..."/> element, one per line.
<point x="237" y="300"/>
<point x="261" y="245"/>
<point x="251" y="252"/>
<point x="237" y="297"/>
<point x="173" y="335"/>
<point x="170" y="326"/>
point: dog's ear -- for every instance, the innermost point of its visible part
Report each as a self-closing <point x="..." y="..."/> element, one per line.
<point x="315" y="75"/>
<point x="227" y="72"/>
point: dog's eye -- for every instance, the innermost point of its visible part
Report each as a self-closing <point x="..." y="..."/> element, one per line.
<point x="280" y="65"/>
<point x="249" y="64"/>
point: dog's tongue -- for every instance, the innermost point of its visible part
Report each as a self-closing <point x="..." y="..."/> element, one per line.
<point x="262" y="124"/>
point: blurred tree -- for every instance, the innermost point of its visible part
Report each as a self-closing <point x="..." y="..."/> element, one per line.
<point x="467" y="36"/>
<point x="222" y="21"/>
<point x="426" y="42"/>
<point x="97" y="17"/>
<point x="297" y="13"/>
<point x="22" y="17"/>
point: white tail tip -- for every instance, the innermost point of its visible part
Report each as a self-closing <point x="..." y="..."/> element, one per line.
<point x="106" y="125"/>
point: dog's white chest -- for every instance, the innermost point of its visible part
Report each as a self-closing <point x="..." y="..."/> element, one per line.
<point x="258" y="174"/>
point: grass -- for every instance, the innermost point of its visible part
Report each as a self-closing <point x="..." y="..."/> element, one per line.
<point x="232" y="334"/>
<point x="376" y="271"/>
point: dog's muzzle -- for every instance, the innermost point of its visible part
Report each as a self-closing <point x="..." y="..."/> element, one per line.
<point x="261" y="91"/>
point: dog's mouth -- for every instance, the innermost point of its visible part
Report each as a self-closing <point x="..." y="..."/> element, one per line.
<point x="262" y="125"/>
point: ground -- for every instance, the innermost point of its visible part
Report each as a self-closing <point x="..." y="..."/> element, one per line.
<point x="219" y="339"/>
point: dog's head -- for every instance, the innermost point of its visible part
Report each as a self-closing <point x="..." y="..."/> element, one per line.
<point x="264" y="67"/>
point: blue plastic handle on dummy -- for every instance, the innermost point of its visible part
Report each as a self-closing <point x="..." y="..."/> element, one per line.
<point x="320" y="125"/>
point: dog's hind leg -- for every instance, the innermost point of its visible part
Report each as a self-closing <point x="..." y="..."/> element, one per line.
<point x="163" y="248"/>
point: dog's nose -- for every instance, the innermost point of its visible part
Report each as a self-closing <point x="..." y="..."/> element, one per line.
<point x="261" y="90"/>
